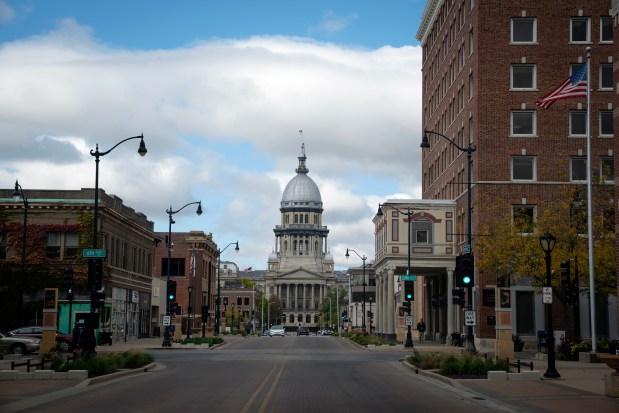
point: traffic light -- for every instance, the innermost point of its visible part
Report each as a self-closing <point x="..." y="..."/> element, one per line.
<point x="68" y="277"/>
<point x="406" y="308"/>
<point x="344" y="315"/>
<point x="171" y="290"/>
<point x="565" y="282"/>
<point x="465" y="270"/>
<point x="173" y="307"/>
<point x="458" y="296"/>
<point x="409" y="290"/>
<point x="99" y="299"/>
<point x="95" y="273"/>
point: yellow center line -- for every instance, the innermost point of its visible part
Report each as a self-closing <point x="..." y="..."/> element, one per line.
<point x="253" y="397"/>
<point x="265" y="402"/>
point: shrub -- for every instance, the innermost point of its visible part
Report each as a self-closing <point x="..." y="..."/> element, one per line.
<point x="106" y="363"/>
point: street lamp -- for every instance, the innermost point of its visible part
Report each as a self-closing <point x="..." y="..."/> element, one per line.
<point x="189" y="309"/>
<point x="409" y="215"/>
<point x="547" y="243"/>
<point x="92" y="282"/>
<point x="363" y="258"/>
<point x="232" y="328"/>
<point x="468" y="249"/>
<point x="370" y="298"/>
<point x="218" y="312"/>
<point x="170" y="212"/>
<point x="17" y="194"/>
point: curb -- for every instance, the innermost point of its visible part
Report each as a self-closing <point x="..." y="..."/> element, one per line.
<point x="112" y="376"/>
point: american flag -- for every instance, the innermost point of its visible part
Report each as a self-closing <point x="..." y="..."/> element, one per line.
<point x="247" y="269"/>
<point x="575" y="86"/>
<point x="192" y="263"/>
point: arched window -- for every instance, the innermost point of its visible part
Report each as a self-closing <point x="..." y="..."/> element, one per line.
<point x="306" y="218"/>
<point x="292" y="318"/>
<point x="308" y="318"/>
<point x="296" y="218"/>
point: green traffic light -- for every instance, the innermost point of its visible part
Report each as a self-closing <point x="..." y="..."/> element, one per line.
<point x="466" y="279"/>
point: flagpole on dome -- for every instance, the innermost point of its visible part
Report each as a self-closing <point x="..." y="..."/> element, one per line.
<point x="590" y="208"/>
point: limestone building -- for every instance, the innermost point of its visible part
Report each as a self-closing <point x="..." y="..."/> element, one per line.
<point x="300" y="268"/>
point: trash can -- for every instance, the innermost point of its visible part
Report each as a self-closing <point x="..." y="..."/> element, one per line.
<point x="541" y="341"/>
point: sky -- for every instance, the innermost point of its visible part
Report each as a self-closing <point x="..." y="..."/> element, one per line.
<point x="220" y="90"/>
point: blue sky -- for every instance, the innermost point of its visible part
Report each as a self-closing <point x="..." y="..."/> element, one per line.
<point x="220" y="91"/>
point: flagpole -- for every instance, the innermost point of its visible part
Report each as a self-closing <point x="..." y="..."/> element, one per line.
<point x="589" y="208"/>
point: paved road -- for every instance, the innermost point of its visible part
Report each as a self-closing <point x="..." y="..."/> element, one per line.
<point x="279" y="374"/>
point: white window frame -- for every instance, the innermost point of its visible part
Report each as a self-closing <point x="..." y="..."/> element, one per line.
<point x="533" y="29"/>
<point x="588" y="35"/>
<point x="583" y="114"/>
<point x="608" y="113"/>
<point x="607" y="67"/>
<point x="572" y="161"/>
<point x="533" y="76"/>
<point x="533" y="123"/>
<point x="610" y="20"/>
<point x="532" y="208"/>
<point x="604" y="160"/>
<point x="533" y="166"/>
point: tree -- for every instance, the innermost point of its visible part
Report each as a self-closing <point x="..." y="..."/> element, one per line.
<point x="508" y="245"/>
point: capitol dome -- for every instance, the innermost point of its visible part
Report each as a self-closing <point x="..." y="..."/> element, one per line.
<point x="302" y="191"/>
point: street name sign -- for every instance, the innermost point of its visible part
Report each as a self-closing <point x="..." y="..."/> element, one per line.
<point x="409" y="278"/>
<point x="93" y="253"/>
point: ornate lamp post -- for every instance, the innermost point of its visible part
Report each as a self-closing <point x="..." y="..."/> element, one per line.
<point x="547" y="243"/>
<point x="363" y="258"/>
<point x="17" y="194"/>
<point x="170" y="244"/>
<point x="468" y="249"/>
<point x="218" y="301"/>
<point x="409" y="215"/>
<point x="189" y="310"/>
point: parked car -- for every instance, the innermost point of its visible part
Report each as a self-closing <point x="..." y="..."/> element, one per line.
<point x="63" y="339"/>
<point x="327" y="332"/>
<point x="277" y="330"/>
<point x="303" y="331"/>
<point x="18" y="345"/>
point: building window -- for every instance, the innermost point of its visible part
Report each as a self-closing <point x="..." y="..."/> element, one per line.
<point x="607" y="169"/>
<point x="71" y="244"/>
<point x="606" y="76"/>
<point x="523" y="77"/>
<point x="578" y="169"/>
<point x="523" y="123"/>
<point x="523" y="217"/>
<point x="3" y="237"/>
<point x="394" y="230"/>
<point x="606" y="29"/>
<point x="471" y="89"/>
<point x="606" y="123"/>
<point x="422" y="231"/>
<point x="471" y="38"/>
<point x="523" y="168"/>
<point x="53" y="245"/>
<point x="524" y="30"/>
<point x="579" y="30"/>
<point x="177" y="267"/>
<point x="578" y="123"/>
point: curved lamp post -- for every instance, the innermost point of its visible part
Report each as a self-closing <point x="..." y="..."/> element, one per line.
<point x="469" y="149"/>
<point x="17" y="194"/>
<point x="409" y="215"/>
<point x="170" y="212"/>
<point x="363" y="258"/>
<point x="547" y="242"/>
<point x="218" y="311"/>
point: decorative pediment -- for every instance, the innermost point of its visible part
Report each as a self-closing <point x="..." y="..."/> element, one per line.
<point x="300" y="275"/>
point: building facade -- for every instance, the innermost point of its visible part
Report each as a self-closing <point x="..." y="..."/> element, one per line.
<point x="300" y="270"/>
<point x="58" y="228"/>
<point x="485" y="64"/>
<point x="193" y="261"/>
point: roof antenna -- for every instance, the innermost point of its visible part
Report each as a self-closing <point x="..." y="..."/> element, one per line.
<point x="302" y="143"/>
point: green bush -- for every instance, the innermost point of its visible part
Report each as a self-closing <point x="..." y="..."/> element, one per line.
<point x="364" y="340"/>
<point x="465" y="365"/>
<point x="106" y="363"/>
<point x="204" y="340"/>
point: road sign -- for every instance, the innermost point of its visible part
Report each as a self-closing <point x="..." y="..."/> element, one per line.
<point x="470" y="319"/>
<point x="92" y="253"/>
<point x="467" y="249"/>
<point x="166" y="320"/>
<point x="547" y="295"/>
<point x="409" y="277"/>
<point x="409" y="320"/>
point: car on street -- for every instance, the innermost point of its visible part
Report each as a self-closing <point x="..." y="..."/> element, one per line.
<point x="303" y="331"/>
<point x="64" y="340"/>
<point x="277" y="330"/>
<point x="327" y="332"/>
<point x="18" y="345"/>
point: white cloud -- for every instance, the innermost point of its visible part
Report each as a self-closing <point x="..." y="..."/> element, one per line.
<point x="7" y="14"/>
<point x="331" y="23"/>
<point x="220" y="121"/>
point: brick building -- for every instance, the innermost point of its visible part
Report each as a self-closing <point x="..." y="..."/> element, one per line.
<point x="197" y="272"/>
<point x="59" y="226"/>
<point x="485" y="64"/>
